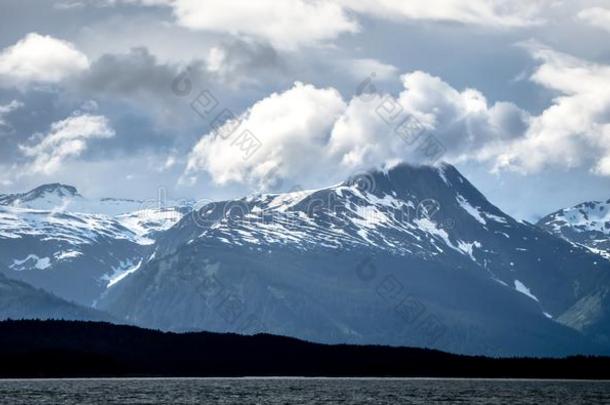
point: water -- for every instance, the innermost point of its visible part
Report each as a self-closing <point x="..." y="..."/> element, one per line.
<point x="301" y="391"/>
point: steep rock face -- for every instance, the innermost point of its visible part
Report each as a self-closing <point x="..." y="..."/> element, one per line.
<point x="410" y="256"/>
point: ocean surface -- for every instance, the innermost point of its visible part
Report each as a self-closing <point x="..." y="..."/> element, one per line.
<point x="302" y="391"/>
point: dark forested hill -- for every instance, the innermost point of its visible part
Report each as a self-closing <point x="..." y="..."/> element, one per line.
<point x="72" y="348"/>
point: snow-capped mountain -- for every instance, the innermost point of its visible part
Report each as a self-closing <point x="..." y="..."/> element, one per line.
<point x="410" y="256"/>
<point x="54" y="238"/>
<point x="587" y="224"/>
<point x="143" y="217"/>
<point x="44" y="197"/>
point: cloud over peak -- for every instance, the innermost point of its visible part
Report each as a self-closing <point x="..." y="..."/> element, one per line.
<point x="369" y="130"/>
<point x="311" y="136"/>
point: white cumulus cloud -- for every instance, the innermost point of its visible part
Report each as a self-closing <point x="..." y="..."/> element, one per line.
<point x="575" y="130"/>
<point x="293" y="128"/>
<point x="311" y="136"/>
<point x="66" y="139"/>
<point x="40" y="58"/>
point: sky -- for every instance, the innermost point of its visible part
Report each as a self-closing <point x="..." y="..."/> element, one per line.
<point x="212" y="100"/>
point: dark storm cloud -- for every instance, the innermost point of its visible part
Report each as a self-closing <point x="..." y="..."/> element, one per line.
<point x="138" y="79"/>
<point x="134" y="74"/>
<point x="135" y="89"/>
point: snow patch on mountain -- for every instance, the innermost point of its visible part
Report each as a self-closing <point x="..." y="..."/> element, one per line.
<point x="585" y="217"/>
<point x="147" y="222"/>
<point x="77" y="229"/>
<point x="67" y="255"/>
<point x="519" y="286"/>
<point x="62" y="213"/>
<point x="586" y="224"/>
<point x="31" y="262"/>
<point x="474" y="212"/>
<point x="125" y="268"/>
<point x="468" y="248"/>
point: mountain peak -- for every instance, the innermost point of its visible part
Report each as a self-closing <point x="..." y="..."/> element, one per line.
<point x="47" y="196"/>
<point x="62" y="190"/>
<point x="42" y="197"/>
<point x="403" y="179"/>
<point x="587" y="223"/>
<point x="56" y="189"/>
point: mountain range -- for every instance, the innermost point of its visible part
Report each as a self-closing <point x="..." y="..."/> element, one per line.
<point x="408" y="256"/>
<point x="55" y="239"/>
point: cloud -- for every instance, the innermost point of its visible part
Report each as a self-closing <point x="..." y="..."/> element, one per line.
<point x="575" y="130"/>
<point x="134" y="73"/>
<point x="293" y="127"/>
<point x="503" y="13"/>
<point x="286" y="24"/>
<point x="239" y="62"/>
<point x="348" y="136"/>
<point x="6" y="110"/>
<point x="360" y="68"/>
<point x="290" y="24"/>
<point x="66" y="139"/>
<point x="139" y="79"/>
<point x="597" y="17"/>
<point x="40" y="58"/>
<point x="142" y="85"/>
<point x="311" y="136"/>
